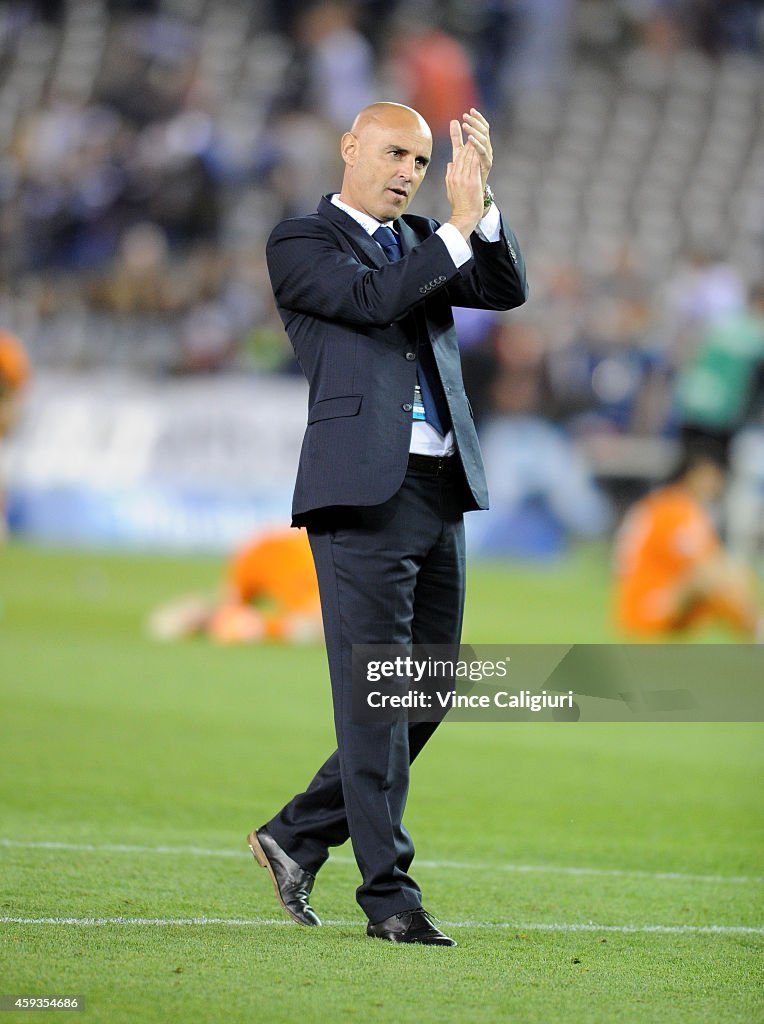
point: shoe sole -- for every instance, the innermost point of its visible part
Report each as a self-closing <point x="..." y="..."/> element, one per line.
<point x="400" y="942"/>
<point x="259" y="854"/>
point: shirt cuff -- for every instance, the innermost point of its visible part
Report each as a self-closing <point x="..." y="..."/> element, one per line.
<point x="458" y="249"/>
<point x="489" y="228"/>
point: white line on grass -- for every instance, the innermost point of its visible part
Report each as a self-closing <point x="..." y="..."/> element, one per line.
<point x="440" y="865"/>
<point x="191" y="851"/>
<point x="590" y="926"/>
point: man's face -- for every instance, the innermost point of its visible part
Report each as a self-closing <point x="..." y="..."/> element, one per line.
<point x="385" y="165"/>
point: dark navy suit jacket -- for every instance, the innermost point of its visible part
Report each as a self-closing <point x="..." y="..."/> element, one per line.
<point x="355" y="322"/>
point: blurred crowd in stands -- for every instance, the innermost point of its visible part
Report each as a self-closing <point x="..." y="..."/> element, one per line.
<point x="148" y="147"/>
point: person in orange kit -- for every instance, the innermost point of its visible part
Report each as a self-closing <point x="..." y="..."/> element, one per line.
<point x="14" y="377"/>
<point x="672" y="572"/>
<point x="270" y="593"/>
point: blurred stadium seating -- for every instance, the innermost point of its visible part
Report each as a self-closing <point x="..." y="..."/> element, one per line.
<point x="147" y="148"/>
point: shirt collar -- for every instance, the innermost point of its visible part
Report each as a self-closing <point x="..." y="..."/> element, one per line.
<point x="369" y="224"/>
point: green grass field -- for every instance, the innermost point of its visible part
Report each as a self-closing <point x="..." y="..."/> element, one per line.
<point x="590" y="872"/>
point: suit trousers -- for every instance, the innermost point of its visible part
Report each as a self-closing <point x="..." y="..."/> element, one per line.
<point x="389" y="573"/>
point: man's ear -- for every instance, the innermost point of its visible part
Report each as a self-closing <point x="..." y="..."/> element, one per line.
<point x="349" y="148"/>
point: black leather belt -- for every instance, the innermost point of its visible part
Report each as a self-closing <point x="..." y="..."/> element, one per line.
<point x="432" y="465"/>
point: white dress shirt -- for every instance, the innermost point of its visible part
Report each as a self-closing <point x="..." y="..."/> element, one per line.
<point x="425" y="439"/>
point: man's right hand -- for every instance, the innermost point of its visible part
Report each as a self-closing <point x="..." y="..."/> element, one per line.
<point x="464" y="184"/>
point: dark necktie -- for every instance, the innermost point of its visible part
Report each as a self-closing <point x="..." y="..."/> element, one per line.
<point x="435" y="410"/>
<point x="388" y="239"/>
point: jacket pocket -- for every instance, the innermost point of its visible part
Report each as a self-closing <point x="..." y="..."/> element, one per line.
<point x="331" y="408"/>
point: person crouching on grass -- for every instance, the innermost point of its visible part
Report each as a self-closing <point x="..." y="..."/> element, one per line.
<point x="672" y="573"/>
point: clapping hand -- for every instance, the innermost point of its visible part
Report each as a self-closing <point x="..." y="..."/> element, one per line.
<point x="476" y="128"/>
<point x="466" y="173"/>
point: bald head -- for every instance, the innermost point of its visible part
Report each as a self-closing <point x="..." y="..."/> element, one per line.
<point x="389" y="115"/>
<point x="386" y="154"/>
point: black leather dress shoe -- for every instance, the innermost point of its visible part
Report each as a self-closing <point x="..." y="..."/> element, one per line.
<point x="291" y="882"/>
<point x="410" y="926"/>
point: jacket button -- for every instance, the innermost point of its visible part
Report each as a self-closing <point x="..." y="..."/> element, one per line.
<point x="411" y="356"/>
<point x="407" y="407"/>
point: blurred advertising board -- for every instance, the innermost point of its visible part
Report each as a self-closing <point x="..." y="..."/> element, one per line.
<point x="182" y="464"/>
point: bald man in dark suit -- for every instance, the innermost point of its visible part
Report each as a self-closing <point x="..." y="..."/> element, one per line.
<point x="389" y="463"/>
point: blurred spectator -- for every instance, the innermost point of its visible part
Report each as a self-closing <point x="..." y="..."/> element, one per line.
<point x="658" y="24"/>
<point x="735" y="24"/>
<point x="518" y="388"/>
<point x="14" y="377"/>
<point x="305" y="157"/>
<point x="494" y="39"/>
<point x="629" y="372"/>
<point x="339" y="64"/>
<point x="701" y="290"/>
<point x="538" y="60"/>
<point x="721" y="388"/>
<point x="434" y="73"/>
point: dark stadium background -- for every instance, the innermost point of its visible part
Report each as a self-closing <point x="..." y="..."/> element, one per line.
<point x="149" y="148"/>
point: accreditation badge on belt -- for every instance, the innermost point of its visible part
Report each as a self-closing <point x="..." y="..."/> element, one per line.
<point x="418" y="404"/>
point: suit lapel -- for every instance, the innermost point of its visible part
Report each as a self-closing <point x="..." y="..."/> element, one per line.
<point x="408" y="241"/>
<point x="407" y="237"/>
<point x="372" y="253"/>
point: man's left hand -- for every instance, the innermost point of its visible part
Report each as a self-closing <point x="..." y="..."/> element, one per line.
<point x="477" y="128"/>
